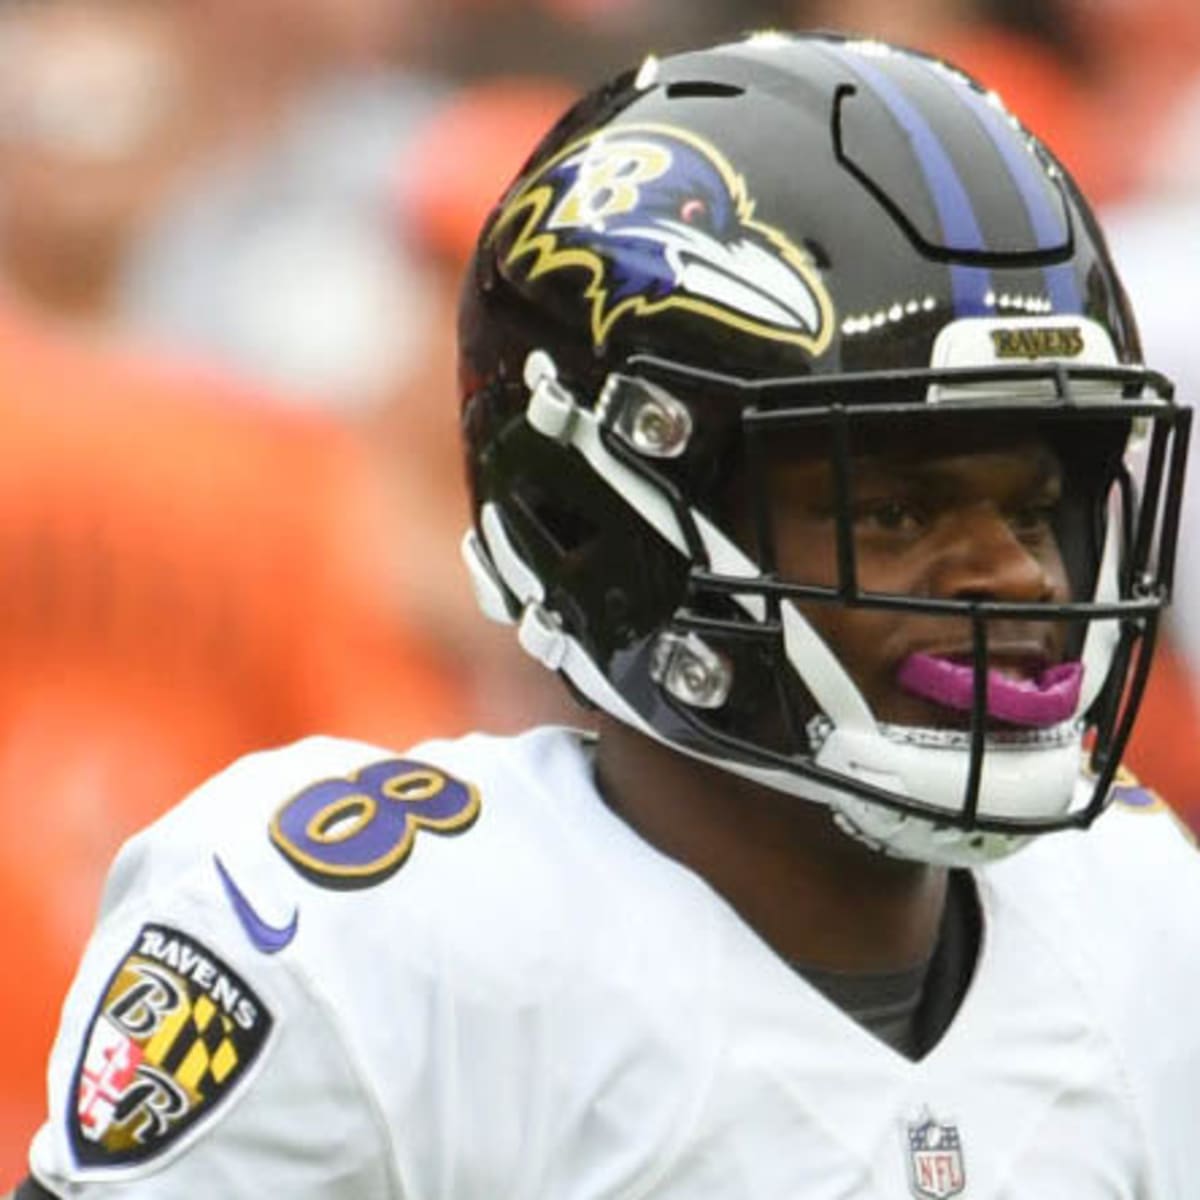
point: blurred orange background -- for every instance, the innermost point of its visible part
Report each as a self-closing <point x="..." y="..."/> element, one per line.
<point x="230" y="485"/>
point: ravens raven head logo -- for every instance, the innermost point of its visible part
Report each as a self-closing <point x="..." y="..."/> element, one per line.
<point x="660" y="220"/>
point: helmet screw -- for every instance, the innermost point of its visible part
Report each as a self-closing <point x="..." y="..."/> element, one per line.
<point x="651" y="420"/>
<point x="661" y="429"/>
<point x="691" y="671"/>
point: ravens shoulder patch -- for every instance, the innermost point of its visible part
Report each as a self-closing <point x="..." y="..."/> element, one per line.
<point x="174" y="1033"/>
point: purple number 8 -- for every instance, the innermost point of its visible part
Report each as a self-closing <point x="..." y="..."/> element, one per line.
<point x="355" y="832"/>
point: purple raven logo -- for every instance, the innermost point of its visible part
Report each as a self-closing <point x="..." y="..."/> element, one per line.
<point x="660" y="220"/>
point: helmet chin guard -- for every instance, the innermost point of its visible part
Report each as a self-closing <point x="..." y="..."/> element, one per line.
<point x="664" y="303"/>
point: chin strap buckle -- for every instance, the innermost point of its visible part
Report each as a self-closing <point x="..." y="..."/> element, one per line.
<point x="541" y="635"/>
<point x="491" y="595"/>
<point x="551" y="409"/>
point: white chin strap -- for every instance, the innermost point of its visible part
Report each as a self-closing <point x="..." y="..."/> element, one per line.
<point x="1033" y="778"/>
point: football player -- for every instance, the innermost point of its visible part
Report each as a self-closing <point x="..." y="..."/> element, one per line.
<point x="810" y="444"/>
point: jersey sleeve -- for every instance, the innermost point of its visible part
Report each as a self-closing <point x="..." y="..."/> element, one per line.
<point x="1146" y="944"/>
<point x="191" y="1061"/>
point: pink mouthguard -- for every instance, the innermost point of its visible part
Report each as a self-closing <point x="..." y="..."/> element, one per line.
<point x="1045" y="700"/>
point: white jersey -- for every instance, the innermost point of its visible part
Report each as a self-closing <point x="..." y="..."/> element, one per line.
<point x="457" y="975"/>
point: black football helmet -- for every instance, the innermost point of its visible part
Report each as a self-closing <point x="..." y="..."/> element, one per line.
<point x="797" y="241"/>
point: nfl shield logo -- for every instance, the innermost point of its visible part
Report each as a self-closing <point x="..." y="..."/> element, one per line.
<point x="935" y="1159"/>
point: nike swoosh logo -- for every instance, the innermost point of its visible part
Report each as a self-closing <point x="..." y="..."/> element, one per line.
<point x="268" y="938"/>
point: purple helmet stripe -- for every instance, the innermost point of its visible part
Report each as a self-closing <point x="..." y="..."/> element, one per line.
<point x="970" y="285"/>
<point x="1048" y="220"/>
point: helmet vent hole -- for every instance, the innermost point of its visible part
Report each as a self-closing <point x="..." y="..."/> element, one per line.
<point x="702" y="90"/>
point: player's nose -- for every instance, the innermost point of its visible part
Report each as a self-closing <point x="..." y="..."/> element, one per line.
<point x="982" y="557"/>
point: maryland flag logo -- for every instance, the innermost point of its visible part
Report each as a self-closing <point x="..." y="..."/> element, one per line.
<point x="175" y="1031"/>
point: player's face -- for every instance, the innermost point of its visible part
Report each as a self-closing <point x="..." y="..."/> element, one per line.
<point x="941" y="518"/>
